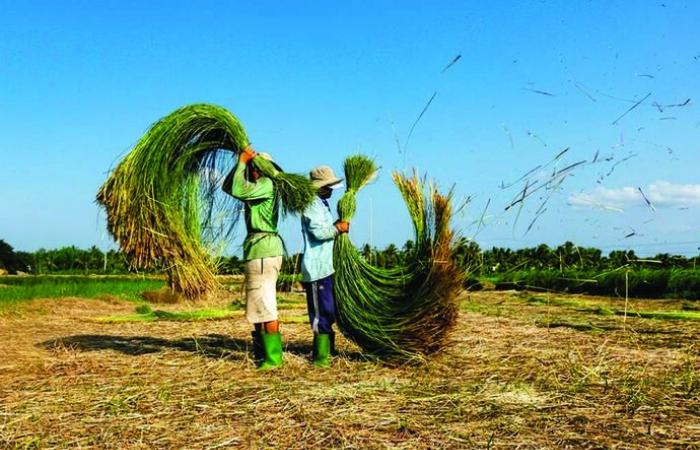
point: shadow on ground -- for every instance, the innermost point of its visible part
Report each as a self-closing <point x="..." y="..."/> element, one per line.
<point x="215" y="346"/>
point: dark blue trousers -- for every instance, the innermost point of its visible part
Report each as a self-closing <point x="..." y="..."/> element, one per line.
<point x="321" y="304"/>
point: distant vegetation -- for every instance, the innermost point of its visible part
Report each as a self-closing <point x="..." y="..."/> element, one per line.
<point x="636" y="282"/>
<point x="76" y="261"/>
<point x="569" y="268"/>
<point x="566" y="268"/>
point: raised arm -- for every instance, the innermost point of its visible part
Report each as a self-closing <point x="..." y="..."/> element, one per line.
<point x="236" y="184"/>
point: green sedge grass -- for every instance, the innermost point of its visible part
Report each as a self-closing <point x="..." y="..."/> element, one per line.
<point x="404" y="312"/>
<point x="163" y="201"/>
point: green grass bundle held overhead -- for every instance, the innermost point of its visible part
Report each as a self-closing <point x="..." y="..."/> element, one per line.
<point x="163" y="200"/>
<point x="403" y="312"/>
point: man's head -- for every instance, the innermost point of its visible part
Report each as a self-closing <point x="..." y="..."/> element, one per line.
<point x="324" y="179"/>
<point x="253" y="173"/>
<point x="325" y="192"/>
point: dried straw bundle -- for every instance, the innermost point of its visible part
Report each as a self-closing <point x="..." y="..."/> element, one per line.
<point x="163" y="200"/>
<point x="405" y="312"/>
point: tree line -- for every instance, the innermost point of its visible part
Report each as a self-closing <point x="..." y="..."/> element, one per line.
<point x="565" y="257"/>
<point x="468" y="254"/>
<point x="74" y="260"/>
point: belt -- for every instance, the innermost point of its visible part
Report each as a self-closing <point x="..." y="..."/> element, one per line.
<point x="263" y="233"/>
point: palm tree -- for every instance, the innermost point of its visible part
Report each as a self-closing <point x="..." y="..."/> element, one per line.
<point x="391" y="255"/>
<point x="367" y="252"/>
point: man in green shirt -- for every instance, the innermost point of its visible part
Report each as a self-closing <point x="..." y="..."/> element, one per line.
<point x="262" y="252"/>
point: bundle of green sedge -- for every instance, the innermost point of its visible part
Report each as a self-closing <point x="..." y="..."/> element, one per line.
<point x="163" y="200"/>
<point x="404" y="312"/>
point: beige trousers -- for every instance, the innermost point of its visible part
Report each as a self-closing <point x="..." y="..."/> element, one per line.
<point x="261" y="289"/>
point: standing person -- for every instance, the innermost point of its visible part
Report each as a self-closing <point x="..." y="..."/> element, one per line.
<point x="262" y="252"/>
<point x="319" y="232"/>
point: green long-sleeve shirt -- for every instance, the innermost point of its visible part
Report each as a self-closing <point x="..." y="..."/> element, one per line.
<point x="261" y="214"/>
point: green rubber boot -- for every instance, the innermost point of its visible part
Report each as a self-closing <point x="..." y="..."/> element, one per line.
<point x="322" y="350"/>
<point x="272" y="346"/>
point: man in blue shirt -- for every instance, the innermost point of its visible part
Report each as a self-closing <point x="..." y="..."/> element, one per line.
<point x="319" y="232"/>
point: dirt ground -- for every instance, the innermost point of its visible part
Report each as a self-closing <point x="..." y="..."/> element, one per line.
<point x="519" y="374"/>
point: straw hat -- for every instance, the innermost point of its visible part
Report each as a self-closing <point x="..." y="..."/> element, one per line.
<point x="323" y="176"/>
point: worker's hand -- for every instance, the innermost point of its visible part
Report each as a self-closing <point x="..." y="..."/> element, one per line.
<point x="342" y="226"/>
<point x="247" y="155"/>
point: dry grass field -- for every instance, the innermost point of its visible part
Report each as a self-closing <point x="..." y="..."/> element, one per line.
<point x="525" y="371"/>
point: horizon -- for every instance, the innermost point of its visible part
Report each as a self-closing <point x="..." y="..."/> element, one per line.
<point x="399" y="247"/>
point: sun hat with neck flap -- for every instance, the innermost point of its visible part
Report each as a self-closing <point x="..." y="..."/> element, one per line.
<point x="323" y="176"/>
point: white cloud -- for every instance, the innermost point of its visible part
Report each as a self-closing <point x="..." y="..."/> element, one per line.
<point x="660" y="193"/>
<point x="665" y="193"/>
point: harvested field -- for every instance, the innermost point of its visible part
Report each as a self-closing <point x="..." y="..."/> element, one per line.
<point x="525" y="371"/>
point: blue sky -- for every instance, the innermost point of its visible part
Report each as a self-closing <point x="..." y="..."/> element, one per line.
<point x="313" y="82"/>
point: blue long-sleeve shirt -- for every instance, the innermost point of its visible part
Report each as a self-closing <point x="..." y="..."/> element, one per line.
<point x="318" y="229"/>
